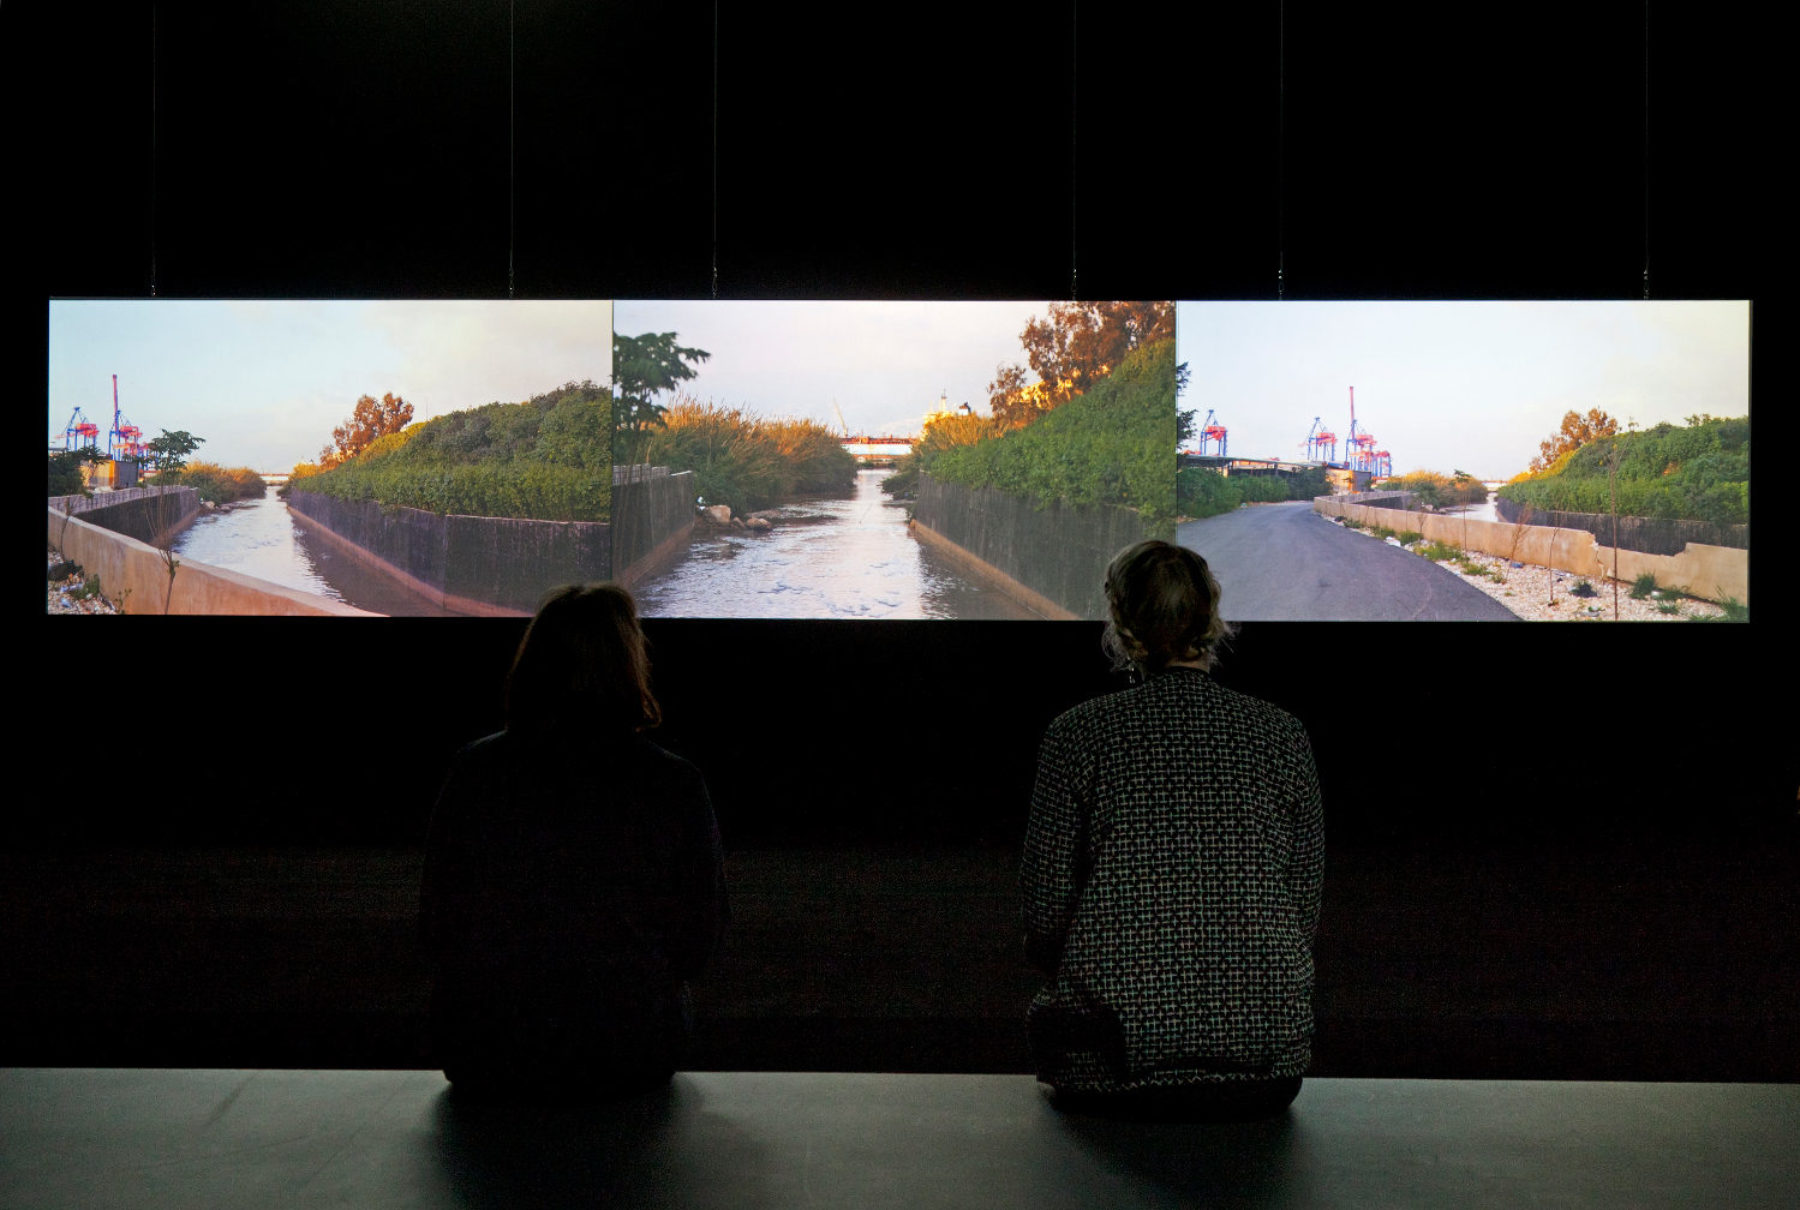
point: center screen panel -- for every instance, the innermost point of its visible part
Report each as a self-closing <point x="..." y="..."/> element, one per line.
<point x="876" y="460"/>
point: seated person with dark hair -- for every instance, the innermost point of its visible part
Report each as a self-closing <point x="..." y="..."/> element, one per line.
<point x="573" y="875"/>
<point x="1172" y="872"/>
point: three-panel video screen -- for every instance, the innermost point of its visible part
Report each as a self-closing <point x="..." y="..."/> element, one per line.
<point x="1332" y="461"/>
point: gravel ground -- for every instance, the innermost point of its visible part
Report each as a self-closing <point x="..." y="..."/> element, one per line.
<point x="1528" y="590"/>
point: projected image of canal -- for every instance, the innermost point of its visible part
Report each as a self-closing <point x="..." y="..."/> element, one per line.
<point x="260" y="537"/>
<point x="886" y="460"/>
<point x="414" y="457"/>
<point x="847" y="556"/>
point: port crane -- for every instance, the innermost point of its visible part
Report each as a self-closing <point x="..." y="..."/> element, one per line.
<point x="1212" y="433"/>
<point x="80" y="433"/>
<point x="1321" y="443"/>
<point x="1360" y="448"/>
<point x="126" y="440"/>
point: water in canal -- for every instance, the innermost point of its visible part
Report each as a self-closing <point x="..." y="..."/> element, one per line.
<point x="834" y="557"/>
<point x="1487" y="510"/>
<point x="260" y="538"/>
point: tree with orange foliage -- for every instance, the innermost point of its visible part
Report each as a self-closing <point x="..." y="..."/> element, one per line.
<point x="372" y="418"/>
<point x="1576" y="431"/>
<point x="1069" y="351"/>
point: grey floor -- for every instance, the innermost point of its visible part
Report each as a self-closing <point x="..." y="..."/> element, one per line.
<point x="206" y="1138"/>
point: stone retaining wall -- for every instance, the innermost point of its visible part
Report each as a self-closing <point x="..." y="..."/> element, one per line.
<point x="1056" y="555"/>
<point x="479" y="565"/>
<point x="1714" y="573"/>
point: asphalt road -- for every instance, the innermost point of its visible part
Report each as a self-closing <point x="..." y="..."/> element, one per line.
<point x="1285" y="563"/>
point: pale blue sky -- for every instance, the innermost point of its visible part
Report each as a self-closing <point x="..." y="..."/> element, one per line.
<point x="1445" y="386"/>
<point x="885" y="363"/>
<point x="264" y="382"/>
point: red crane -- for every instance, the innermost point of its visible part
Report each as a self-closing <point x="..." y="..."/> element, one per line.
<point x="1321" y="443"/>
<point x="126" y="440"/>
<point x="1360" y="446"/>
<point x="1211" y="431"/>
<point x="80" y="433"/>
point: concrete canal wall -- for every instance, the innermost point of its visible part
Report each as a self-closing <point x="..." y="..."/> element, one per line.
<point x="149" y="514"/>
<point x="1648" y="535"/>
<point x="135" y="577"/>
<point x="652" y="520"/>
<point x="1052" y="560"/>
<point x="1713" y="573"/>
<point x="474" y="565"/>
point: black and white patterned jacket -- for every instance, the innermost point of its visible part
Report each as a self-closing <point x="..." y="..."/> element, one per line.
<point x="1171" y="879"/>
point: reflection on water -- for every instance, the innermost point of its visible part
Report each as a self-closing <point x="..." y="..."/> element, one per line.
<point x="848" y="557"/>
<point x="1485" y="511"/>
<point x="260" y="538"/>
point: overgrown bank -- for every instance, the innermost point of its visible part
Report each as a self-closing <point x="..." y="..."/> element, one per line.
<point x="1111" y="446"/>
<point x="1434" y="490"/>
<point x="739" y="459"/>
<point x="1201" y="492"/>
<point x="216" y="484"/>
<point x="1696" y="472"/>
<point x="547" y="459"/>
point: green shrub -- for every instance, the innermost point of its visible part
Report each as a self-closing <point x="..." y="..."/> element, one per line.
<point x="1700" y="472"/>
<point x="547" y="459"/>
<point x="65" y="472"/>
<point x="1112" y="445"/>
<point x="1438" y="490"/>
<point x="1441" y="552"/>
<point x="1643" y="586"/>
<point x="219" y="484"/>
<point x="1382" y="531"/>
<point x="543" y="493"/>
<point x="1306" y="484"/>
<point x="1409" y="536"/>
<point x="745" y="462"/>
<point x="1261" y="489"/>
<point x="1735" y="611"/>
<point x="1201" y="492"/>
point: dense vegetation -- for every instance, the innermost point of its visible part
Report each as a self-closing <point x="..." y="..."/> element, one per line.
<point x="743" y="461"/>
<point x="1438" y="490"/>
<point x="219" y="484"/>
<point x="944" y="433"/>
<point x="1110" y="445"/>
<point x="548" y="459"/>
<point x="1200" y="492"/>
<point x="1699" y="472"/>
<point x="65" y="471"/>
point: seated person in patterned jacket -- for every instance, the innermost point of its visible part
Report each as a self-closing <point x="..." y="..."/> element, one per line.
<point x="573" y="875"/>
<point x="1172" y="872"/>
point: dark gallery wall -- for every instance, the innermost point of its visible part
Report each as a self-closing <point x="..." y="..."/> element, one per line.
<point x="1304" y="151"/>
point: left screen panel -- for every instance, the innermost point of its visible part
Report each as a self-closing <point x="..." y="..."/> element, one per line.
<point x="332" y="457"/>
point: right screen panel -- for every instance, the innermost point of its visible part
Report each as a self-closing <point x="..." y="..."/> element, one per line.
<point x="1468" y="461"/>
